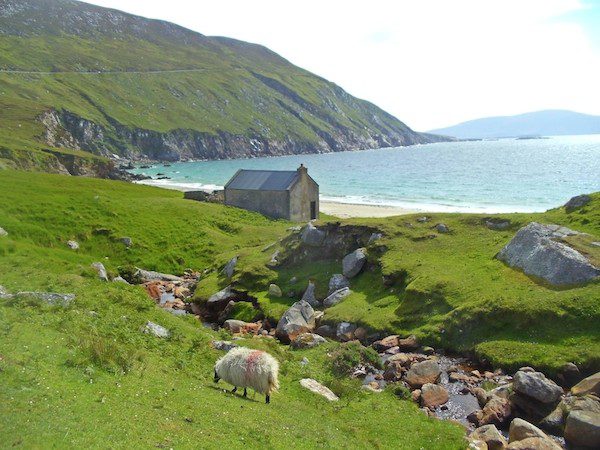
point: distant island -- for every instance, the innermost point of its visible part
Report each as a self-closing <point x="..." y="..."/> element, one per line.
<point x="529" y="125"/>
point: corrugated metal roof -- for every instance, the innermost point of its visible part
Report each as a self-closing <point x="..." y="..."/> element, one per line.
<point x="265" y="180"/>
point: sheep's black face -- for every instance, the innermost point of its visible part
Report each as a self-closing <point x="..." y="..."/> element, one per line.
<point x="217" y="377"/>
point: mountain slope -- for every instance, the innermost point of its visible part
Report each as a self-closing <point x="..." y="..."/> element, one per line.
<point x="539" y="123"/>
<point x="82" y="77"/>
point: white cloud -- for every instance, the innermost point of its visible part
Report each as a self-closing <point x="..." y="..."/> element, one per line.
<point x="431" y="63"/>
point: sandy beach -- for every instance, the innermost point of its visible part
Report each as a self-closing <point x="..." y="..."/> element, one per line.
<point x="345" y="210"/>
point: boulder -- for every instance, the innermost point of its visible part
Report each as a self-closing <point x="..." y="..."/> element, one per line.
<point x="536" y="250"/>
<point x="309" y="295"/>
<point x="149" y="275"/>
<point x="521" y="429"/>
<point x="577" y="202"/>
<point x="221" y="298"/>
<point x="326" y="331"/>
<point x="393" y="371"/>
<point x="424" y="372"/>
<point x="275" y="291"/>
<point x="3" y="232"/>
<point x="496" y="411"/>
<point x="127" y="241"/>
<point x="476" y="444"/>
<point x="307" y="340"/>
<point x="318" y="388"/>
<point x="408" y="344"/>
<point x="73" y="245"/>
<point x="422" y="219"/>
<point x="234" y="326"/>
<point x="353" y="263"/>
<point x="497" y="223"/>
<point x="583" y="429"/>
<point x="230" y="267"/>
<point x="101" y="270"/>
<point x="537" y="386"/>
<point x="298" y="319"/>
<point x="589" y="385"/>
<point x="156" y="329"/>
<point x="569" y="375"/>
<point x="534" y="443"/>
<point x="374" y="237"/>
<point x="336" y="297"/>
<point x="120" y="279"/>
<point x="345" y="331"/>
<point x="50" y="298"/>
<point x="312" y="236"/>
<point x="386" y="343"/>
<point x="337" y="282"/>
<point x="433" y="395"/>
<point x="442" y="228"/>
<point x="491" y="436"/>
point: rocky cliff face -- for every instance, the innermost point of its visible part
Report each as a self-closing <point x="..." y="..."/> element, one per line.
<point x="65" y="129"/>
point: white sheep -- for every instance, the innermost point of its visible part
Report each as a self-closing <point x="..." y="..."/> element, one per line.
<point x="248" y="368"/>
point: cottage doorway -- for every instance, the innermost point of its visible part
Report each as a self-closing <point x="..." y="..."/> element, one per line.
<point x="313" y="210"/>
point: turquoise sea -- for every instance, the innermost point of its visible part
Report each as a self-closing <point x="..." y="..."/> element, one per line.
<point x="506" y="175"/>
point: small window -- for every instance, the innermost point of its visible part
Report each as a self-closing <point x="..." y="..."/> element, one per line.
<point x="313" y="210"/>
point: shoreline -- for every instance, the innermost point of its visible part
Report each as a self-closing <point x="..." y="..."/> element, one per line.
<point x="350" y="209"/>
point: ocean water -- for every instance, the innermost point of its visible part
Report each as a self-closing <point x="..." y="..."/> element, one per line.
<point x="506" y="175"/>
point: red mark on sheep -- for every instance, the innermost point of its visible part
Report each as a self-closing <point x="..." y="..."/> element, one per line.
<point x="251" y="361"/>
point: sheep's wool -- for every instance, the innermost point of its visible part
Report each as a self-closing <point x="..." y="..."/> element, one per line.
<point x="245" y="367"/>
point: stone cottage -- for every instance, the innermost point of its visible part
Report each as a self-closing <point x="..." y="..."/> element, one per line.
<point x="291" y="195"/>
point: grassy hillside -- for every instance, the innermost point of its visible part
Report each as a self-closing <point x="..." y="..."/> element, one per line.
<point x="131" y="78"/>
<point x="85" y="376"/>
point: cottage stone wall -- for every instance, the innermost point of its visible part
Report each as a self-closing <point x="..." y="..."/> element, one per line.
<point x="302" y="193"/>
<point x="274" y="204"/>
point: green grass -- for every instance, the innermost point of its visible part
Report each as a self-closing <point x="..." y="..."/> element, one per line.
<point x="86" y="376"/>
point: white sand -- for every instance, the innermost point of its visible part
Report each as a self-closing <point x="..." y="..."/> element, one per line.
<point x="345" y="210"/>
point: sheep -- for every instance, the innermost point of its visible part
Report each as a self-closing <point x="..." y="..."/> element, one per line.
<point x="245" y="367"/>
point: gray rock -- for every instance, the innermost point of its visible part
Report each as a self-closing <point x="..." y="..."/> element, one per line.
<point x="150" y="275"/>
<point x="374" y="237"/>
<point x="577" y="202"/>
<point x="537" y="386"/>
<point x="491" y="436"/>
<point x="535" y="250"/>
<point x="3" y="232"/>
<point x="309" y="295"/>
<point x="73" y="245"/>
<point x="422" y="219"/>
<point x="583" y="429"/>
<point x="326" y="331"/>
<point x="223" y="296"/>
<point x="442" y="228"/>
<point x="3" y="292"/>
<point x="312" y="236"/>
<point x="120" y="279"/>
<point x="318" y="388"/>
<point x="223" y="345"/>
<point x="521" y="429"/>
<point x="156" y="330"/>
<point x="345" y="331"/>
<point x="307" y="340"/>
<point x="275" y="291"/>
<point x="588" y="385"/>
<point x="127" y="241"/>
<point x="176" y="312"/>
<point x="353" y="263"/>
<point x="230" y="267"/>
<point x="337" y="282"/>
<point x="99" y="267"/>
<point x="496" y="223"/>
<point x="422" y="373"/>
<point x="298" y="319"/>
<point x="336" y="297"/>
<point x="234" y="326"/>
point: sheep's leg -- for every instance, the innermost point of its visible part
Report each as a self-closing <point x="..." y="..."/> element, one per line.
<point x="267" y="398"/>
<point x="234" y="389"/>
<point x="245" y="393"/>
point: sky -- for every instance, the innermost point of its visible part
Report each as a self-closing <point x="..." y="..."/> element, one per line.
<point x="431" y="63"/>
